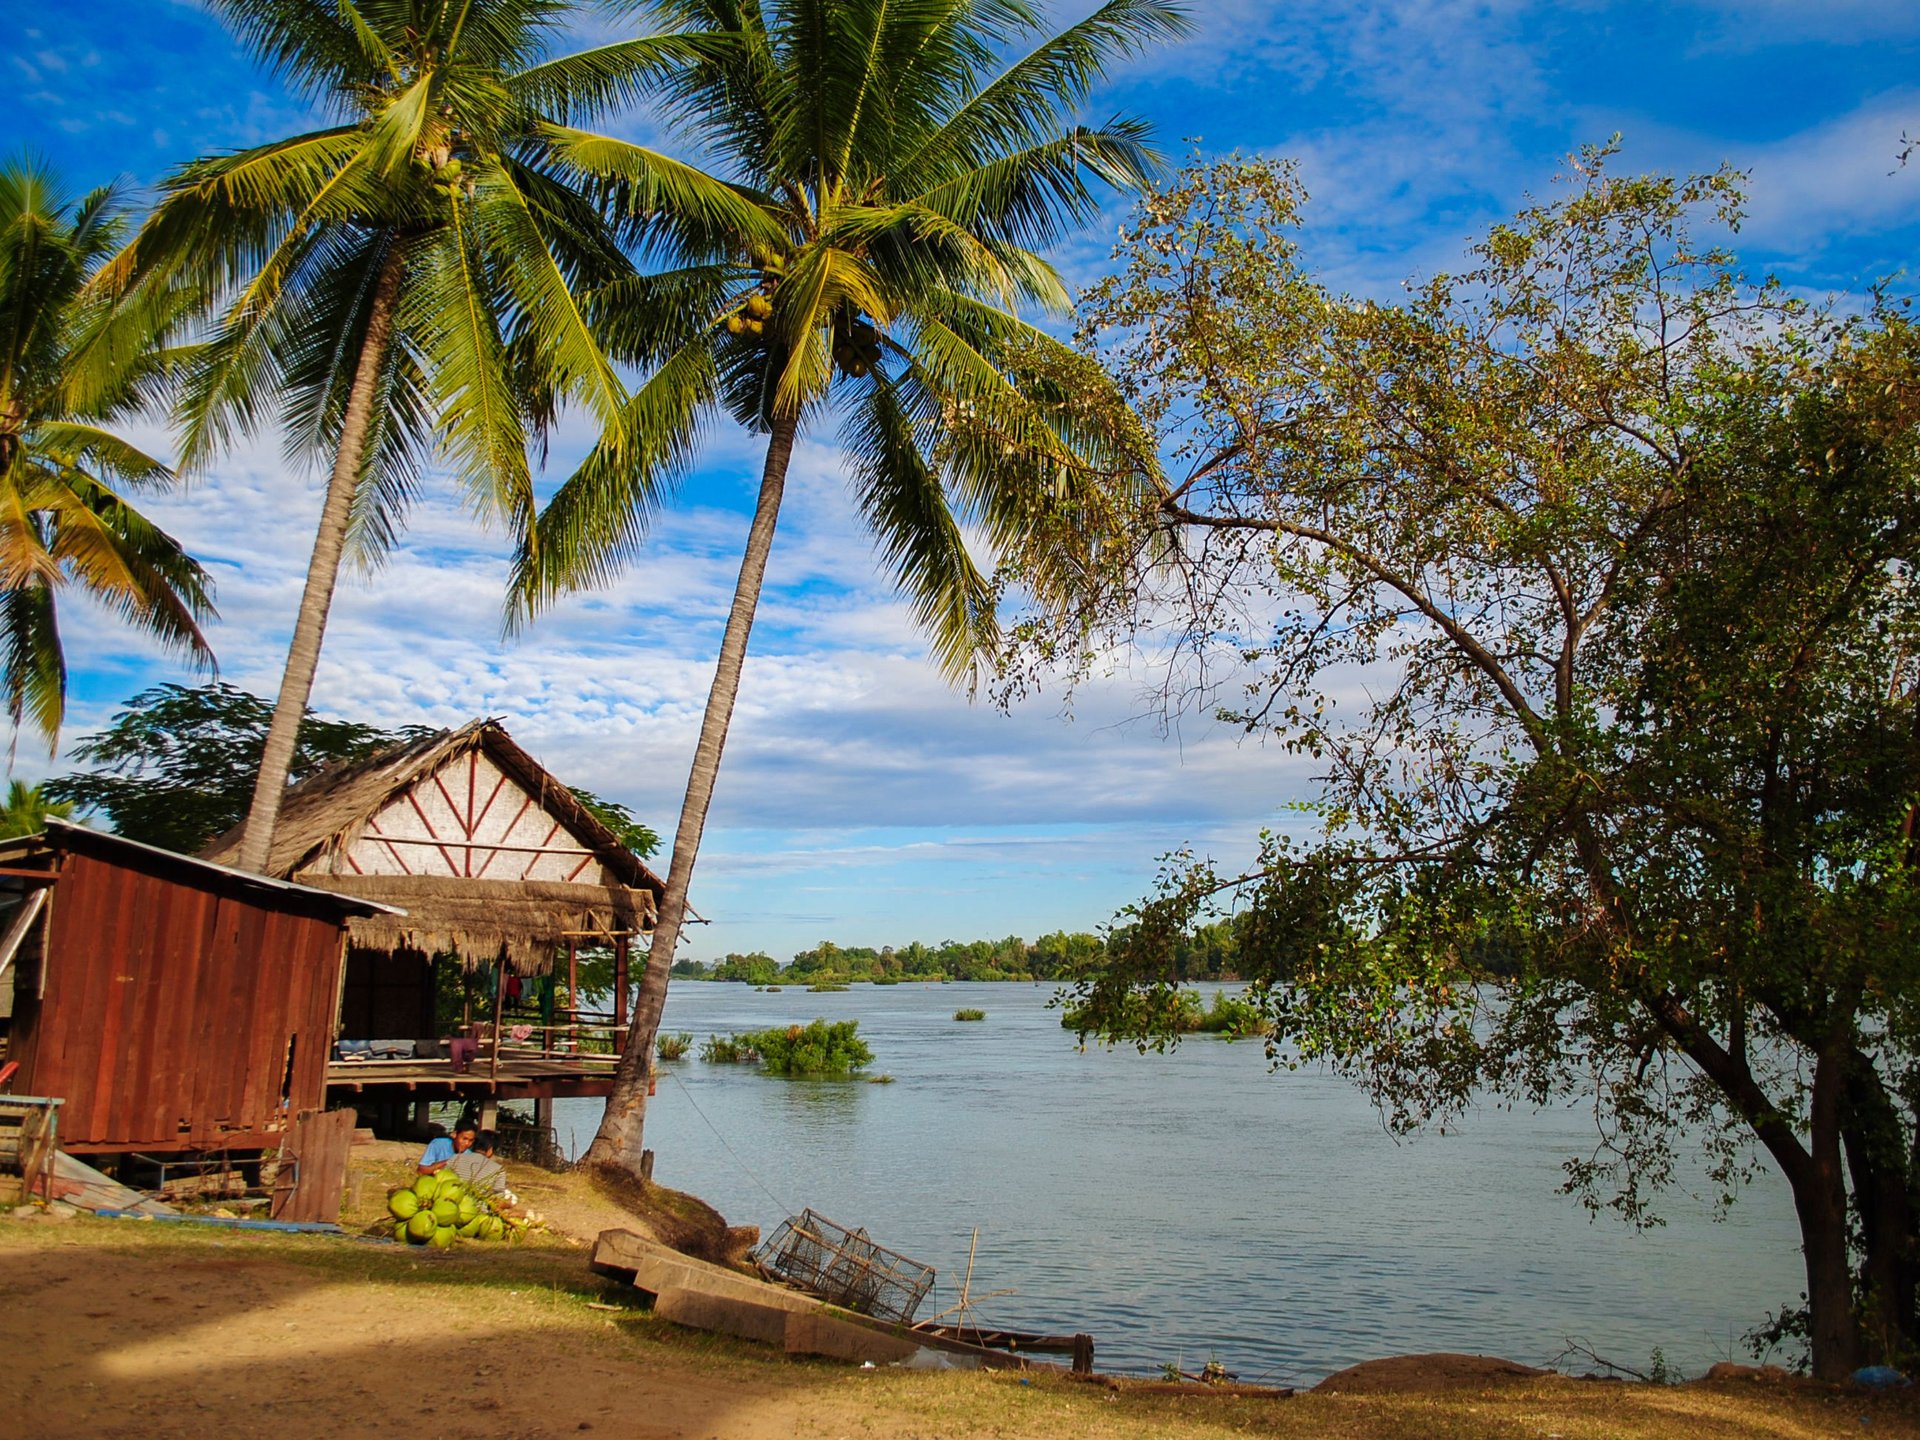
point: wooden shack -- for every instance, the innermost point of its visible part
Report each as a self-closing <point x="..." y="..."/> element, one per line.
<point x="499" y="869"/>
<point x="172" y="1004"/>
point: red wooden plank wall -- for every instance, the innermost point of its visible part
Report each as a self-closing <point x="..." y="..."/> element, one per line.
<point x="172" y="1006"/>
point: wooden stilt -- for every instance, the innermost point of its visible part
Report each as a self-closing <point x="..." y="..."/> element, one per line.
<point x="620" y="995"/>
<point x="499" y="994"/>
<point x="573" y="994"/>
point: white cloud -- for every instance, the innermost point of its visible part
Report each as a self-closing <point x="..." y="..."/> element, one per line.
<point x="1838" y="179"/>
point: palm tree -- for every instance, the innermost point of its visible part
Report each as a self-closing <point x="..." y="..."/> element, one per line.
<point x="403" y="284"/>
<point x="26" y="809"/>
<point x="901" y="176"/>
<point x="71" y="364"/>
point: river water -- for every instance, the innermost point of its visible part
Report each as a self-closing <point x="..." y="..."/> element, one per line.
<point x="1193" y="1206"/>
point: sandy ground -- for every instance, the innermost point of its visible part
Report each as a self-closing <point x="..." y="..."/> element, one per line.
<point x="124" y="1328"/>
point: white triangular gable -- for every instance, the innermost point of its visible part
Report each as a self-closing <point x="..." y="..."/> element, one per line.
<point x="471" y="819"/>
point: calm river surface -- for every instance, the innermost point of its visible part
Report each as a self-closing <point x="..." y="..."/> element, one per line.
<point x="1189" y="1206"/>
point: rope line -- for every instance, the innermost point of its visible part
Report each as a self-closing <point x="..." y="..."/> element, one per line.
<point x="785" y="1208"/>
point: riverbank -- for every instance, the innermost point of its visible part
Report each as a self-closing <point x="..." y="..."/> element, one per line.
<point x="157" y="1330"/>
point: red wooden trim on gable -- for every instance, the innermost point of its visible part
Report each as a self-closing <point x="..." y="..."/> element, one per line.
<point x="414" y="800"/>
<point x="373" y="829"/>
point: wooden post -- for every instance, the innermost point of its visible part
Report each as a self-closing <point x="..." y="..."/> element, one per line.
<point x="490" y="1113"/>
<point x="573" y="994"/>
<point x="1083" y="1354"/>
<point x="499" y="993"/>
<point x="620" y="995"/>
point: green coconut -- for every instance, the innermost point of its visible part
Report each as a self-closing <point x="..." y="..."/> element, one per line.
<point x="427" y="1186"/>
<point x="445" y="1212"/>
<point x="443" y="1237"/>
<point x="469" y="1207"/>
<point x="402" y="1204"/>
<point x="399" y="1229"/>
<point x="421" y="1227"/>
<point x="470" y="1229"/>
<point x="495" y="1227"/>
<point x="451" y="1189"/>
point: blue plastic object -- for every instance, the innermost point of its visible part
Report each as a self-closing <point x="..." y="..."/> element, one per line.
<point x="1879" y="1377"/>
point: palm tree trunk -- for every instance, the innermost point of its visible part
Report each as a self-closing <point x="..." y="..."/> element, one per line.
<point x="303" y="655"/>
<point x="617" y="1144"/>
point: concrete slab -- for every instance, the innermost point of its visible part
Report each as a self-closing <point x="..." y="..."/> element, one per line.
<point x="765" y="1324"/>
<point x="823" y="1334"/>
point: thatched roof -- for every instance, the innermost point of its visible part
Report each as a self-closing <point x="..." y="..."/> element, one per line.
<point x="439" y="827"/>
<point x="480" y="918"/>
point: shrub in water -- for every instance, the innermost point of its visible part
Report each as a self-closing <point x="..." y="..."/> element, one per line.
<point x="969" y="1014"/>
<point x="729" y="1050"/>
<point x="674" y="1047"/>
<point x="816" y="1049"/>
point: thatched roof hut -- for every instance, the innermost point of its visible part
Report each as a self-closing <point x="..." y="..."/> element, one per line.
<point x="481" y="846"/>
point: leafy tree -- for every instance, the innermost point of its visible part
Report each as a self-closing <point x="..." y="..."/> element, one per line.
<point x="177" y="765"/>
<point x="406" y="285"/>
<point x="1623" y="547"/>
<point x="27" y="809"/>
<point x="754" y="969"/>
<point x="640" y="838"/>
<point x="899" y="178"/>
<point x="71" y="365"/>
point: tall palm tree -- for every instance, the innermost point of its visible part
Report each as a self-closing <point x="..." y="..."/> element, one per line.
<point x="405" y="283"/>
<point x="72" y="364"/>
<point x="902" y="174"/>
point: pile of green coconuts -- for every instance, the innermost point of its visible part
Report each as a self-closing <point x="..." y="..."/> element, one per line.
<point x="439" y="1209"/>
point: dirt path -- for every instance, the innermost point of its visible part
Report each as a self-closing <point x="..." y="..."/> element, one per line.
<point x="200" y="1338"/>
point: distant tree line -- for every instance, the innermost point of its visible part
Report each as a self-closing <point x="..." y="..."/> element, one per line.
<point x="1209" y="952"/>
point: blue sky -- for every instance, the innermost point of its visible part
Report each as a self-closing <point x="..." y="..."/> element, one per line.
<point x="862" y="800"/>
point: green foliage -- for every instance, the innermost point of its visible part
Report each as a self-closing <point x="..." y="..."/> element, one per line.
<point x="640" y="839"/>
<point x="27" y="809"/>
<point x="1154" y="1019"/>
<point x="75" y="362"/>
<point x="673" y="1047"/>
<point x="968" y="1014"/>
<point x="1630" y="544"/>
<point x="177" y="765"/>
<point x="451" y="152"/>
<point x="818" y="1049"/>
<point x="896" y="179"/>
<point x="1209" y="956"/>
<point x="754" y="969"/>
<point x="827" y="987"/>
<point x="729" y="1050"/>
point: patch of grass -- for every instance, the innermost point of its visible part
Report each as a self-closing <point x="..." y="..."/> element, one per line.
<point x="969" y="1014"/>
<point x="729" y="1050"/>
<point x="827" y="987"/>
<point x="673" y="1047"/>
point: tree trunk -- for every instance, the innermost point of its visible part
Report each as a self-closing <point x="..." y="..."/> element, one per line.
<point x="617" y="1144"/>
<point x="1820" y="1198"/>
<point x="1877" y="1159"/>
<point x="303" y="654"/>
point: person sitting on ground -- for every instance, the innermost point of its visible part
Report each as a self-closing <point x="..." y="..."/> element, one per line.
<point x="483" y="1174"/>
<point x="442" y="1149"/>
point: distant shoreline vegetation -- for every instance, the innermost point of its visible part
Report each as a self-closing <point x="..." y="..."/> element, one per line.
<point x="1181" y="1012"/>
<point x="1211" y="952"/>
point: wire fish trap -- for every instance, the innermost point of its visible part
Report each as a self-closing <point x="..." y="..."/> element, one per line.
<point x="844" y="1267"/>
